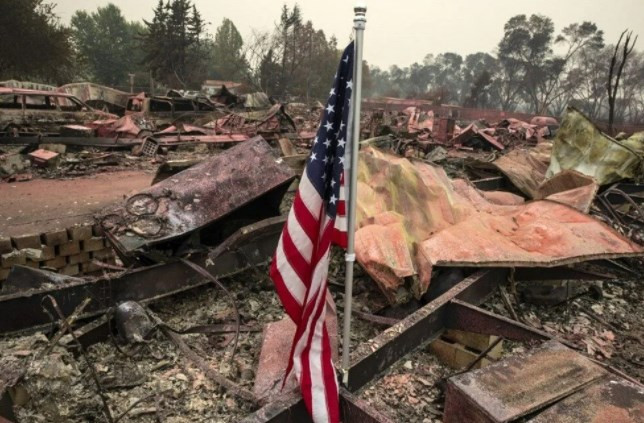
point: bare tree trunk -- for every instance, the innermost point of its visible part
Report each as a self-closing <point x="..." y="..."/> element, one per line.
<point x="610" y="86"/>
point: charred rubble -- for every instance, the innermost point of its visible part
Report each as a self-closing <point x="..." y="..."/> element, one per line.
<point x="498" y="278"/>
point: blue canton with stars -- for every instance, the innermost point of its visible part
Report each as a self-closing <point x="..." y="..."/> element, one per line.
<point x="325" y="165"/>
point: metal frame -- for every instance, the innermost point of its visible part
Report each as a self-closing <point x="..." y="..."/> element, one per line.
<point x="251" y="245"/>
<point x="454" y="309"/>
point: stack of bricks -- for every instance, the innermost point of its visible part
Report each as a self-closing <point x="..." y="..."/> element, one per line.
<point x="69" y="251"/>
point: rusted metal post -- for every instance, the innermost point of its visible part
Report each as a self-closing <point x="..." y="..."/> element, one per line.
<point x="359" y="21"/>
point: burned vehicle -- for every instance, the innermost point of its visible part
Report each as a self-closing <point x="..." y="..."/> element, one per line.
<point x="164" y="111"/>
<point x="24" y="112"/>
<point x="98" y="96"/>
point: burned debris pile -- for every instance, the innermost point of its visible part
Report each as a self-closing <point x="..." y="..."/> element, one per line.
<point x="498" y="276"/>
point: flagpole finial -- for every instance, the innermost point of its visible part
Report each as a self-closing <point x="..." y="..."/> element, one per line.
<point x="360" y="11"/>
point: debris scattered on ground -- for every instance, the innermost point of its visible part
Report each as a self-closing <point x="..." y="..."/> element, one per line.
<point x="439" y="197"/>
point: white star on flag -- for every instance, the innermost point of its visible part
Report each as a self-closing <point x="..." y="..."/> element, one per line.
<point x="330" y="109"/>
<point x="313" y="157"/>
<point x="328" y="126"/>
<point x="349" y="84"/>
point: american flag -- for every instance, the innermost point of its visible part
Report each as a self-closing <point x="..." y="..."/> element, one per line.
<point x="300" y="265"/>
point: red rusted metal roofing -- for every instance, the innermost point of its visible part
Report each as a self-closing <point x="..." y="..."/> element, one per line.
<point x="411" y="216"/>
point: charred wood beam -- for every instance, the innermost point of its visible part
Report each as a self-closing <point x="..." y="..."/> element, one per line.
<point x="418" y="328"/>
<point x="356" y="410"/>
<point x="466" y="317"/>
<point x="290" y="409"/>
<point x="293" y="410"/>
<point x="250" y="246"/>
<point x="558" y="273"/>
<point x="125" y="143"/>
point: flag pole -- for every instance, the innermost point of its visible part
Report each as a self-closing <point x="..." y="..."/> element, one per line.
<point x="359" y="21"/>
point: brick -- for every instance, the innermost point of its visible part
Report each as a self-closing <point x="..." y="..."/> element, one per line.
<point x="56" y="148"/>
<point x="13" y="258"/>
<point x="5" y="245"/>
<point x="26" y="241"/>
<point x="272" y="360"/>
<point x="69" y="248"/>
<point x="97" y="230"/>
<point x="4" y="273"/>
<point x="31" y="263"/>
<point x="70" y="270"/>
<point x="55" y="238"/>
<point x="89" y="267"/>
<point x="78" y="258"/>
<point x="104" y="254"/>
<point x="34" y="254"/>
<point x="93" y="244"/>
<point x="56" y="263"/>
<point x="48" y="253"/>
<point x="43" y="158"/>
<point x="475" y="341"/>
<point x="456" y="355"/>
<point x="79" y="233"/>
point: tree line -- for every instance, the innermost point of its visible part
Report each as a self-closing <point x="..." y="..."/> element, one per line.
<point x="172" y="48"/>
<point x="533" y="69"/>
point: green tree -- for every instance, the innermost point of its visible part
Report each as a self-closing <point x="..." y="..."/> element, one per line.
<point x="476" y="74"/>
<point x="34" y="44"/>
<point x="174" y="45"/>
<point x="526" y="51"/>
<point x="229" y="60"/>
<point x="107" y="43"/>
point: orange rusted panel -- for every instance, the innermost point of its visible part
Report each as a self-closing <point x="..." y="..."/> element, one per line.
<point x="411" y="212"/>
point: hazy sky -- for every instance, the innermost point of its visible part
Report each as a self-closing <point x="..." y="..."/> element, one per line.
<point x="402" y="32"/>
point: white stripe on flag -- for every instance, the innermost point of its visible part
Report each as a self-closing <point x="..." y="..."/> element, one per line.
<point x="292" y="281"/>
<point x="299" y="237"/>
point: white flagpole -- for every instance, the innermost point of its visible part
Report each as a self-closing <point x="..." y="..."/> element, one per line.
<point x="359" y="21"/>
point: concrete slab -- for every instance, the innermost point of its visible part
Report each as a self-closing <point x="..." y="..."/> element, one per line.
<point x="518" y="385"/>
<point x="609" y="400"/>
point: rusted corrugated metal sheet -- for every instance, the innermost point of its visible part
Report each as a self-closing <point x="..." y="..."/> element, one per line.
<point x="581" y="146"/>
<point x="199" y="195"/>
<point x="411" y="216"/>
<point x="472" y="131"/>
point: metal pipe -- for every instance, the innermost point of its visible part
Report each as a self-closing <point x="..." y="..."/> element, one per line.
<point x="359" y="21"/>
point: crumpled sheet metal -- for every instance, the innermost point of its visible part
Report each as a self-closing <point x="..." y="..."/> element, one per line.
<point x="418" y="120"/>
<point x="411" y="216"/>
<point x="526" y="169"/>
<point x="569" y="187"/>
<point x="128" y="126"/>
<point x="581" y="146"/>
<point x="199" y="195"/>
<point x="471" y="131"/>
